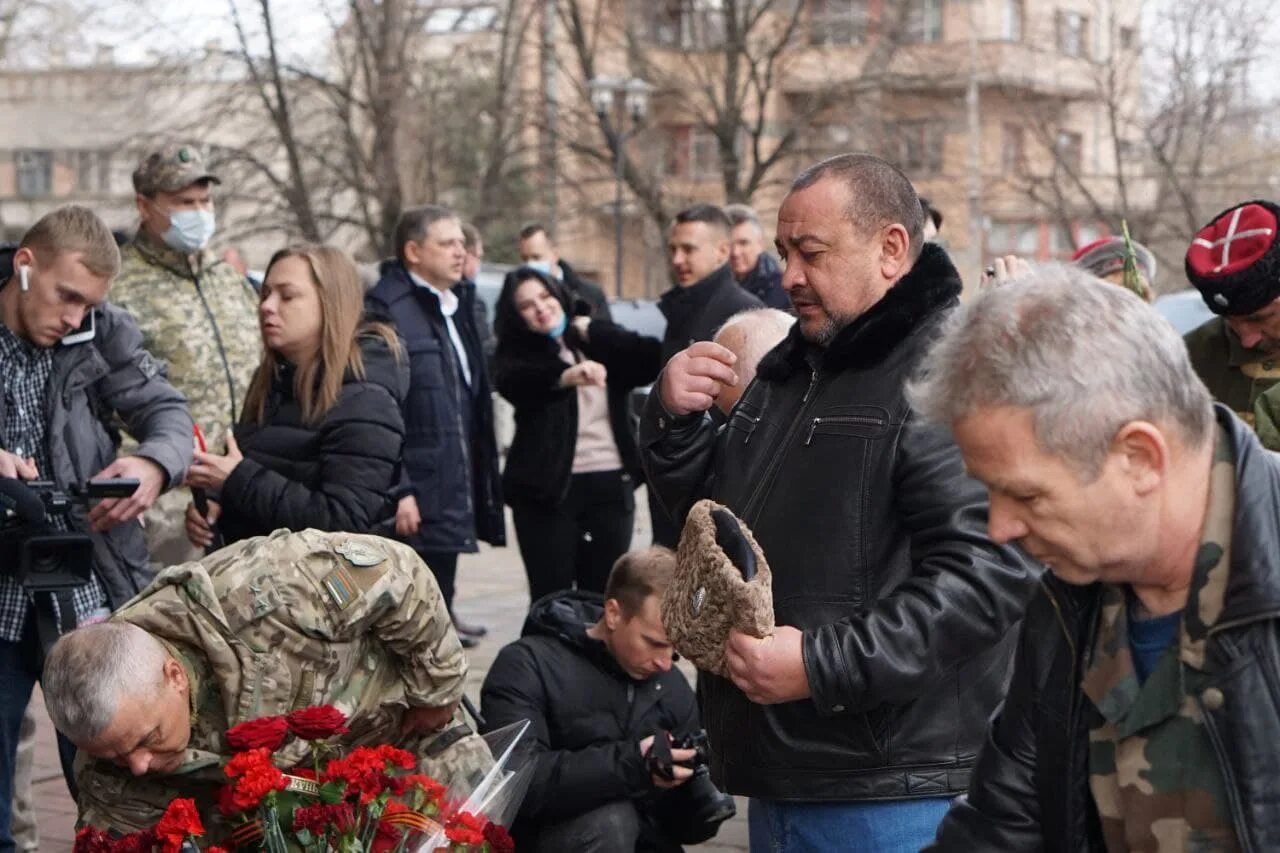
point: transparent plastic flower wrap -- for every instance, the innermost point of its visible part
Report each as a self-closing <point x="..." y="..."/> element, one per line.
<point x="478" y="819"/>
<point x="367" y="799"/>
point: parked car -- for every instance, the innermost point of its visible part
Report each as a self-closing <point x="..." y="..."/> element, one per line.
<point x="1185" y="310"/>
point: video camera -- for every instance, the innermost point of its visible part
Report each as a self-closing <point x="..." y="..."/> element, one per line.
<point x="32" y="549"/>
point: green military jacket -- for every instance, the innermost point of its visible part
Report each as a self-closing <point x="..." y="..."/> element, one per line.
<point x="1242" y="379"/>
<point x="1153" y="772"/>
<point x="202" y="321"/>
<point x="276" y="623"/>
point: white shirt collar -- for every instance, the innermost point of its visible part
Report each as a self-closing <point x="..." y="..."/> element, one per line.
<point x="448" y="299"/>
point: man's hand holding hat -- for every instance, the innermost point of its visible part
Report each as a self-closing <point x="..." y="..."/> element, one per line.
<point x="722" y="584"/>
<point x="768" y="670"/>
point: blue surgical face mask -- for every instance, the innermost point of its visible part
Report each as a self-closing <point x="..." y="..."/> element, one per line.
<point x="189" y="230"/>
<point x="560" y="327"/>
<point x="543" y="267"/>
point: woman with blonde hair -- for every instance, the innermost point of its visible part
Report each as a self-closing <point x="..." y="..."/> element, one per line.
<point x="319" y="441"/>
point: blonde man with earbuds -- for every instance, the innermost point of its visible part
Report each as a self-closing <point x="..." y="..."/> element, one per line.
<point x="68" y="364"/>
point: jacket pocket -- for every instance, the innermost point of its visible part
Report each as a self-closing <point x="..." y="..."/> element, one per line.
<point x="869" y="422"/>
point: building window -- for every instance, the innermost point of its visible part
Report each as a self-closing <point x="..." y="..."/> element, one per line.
<point x="1128" y="37"/>
<point x="34" y="173"/>
<point x="685" y="23"/>
<point x="917" y="146"/>
<point x="93" y="171"/>
<point x="826" y="140"/>
<point x="693" y="154"/>
<point x="837" y="21"/>
<point x="1073" y="31"/>
<point x="924" y="22"/>
<point x="1012" y="20"/>
<point x="460" y="18"/>
<point x="1014" y="238"/>
<point x="1068" y="149"/>
<point x="1013" y="151"/>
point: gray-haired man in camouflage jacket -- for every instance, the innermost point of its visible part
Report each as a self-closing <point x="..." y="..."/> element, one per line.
<point x="260" y="628"/>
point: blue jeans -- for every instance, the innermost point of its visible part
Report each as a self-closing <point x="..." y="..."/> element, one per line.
<point x="896" y="826"/>
<point x="19" y="672"/>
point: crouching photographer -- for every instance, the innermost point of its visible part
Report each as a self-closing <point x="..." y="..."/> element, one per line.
<point x="72" y="370"/>
<point x="621" y="761"/>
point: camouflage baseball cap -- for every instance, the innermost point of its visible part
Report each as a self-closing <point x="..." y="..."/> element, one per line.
<point x="170" y="169"/>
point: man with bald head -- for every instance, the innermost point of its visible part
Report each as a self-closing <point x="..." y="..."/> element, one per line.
<point x="856" y="722"/>
<point x="749" y="335"/>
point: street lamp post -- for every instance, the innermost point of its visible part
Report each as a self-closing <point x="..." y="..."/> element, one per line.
<point x="621" y="105"/>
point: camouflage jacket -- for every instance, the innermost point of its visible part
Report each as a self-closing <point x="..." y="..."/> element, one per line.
<point x="1030" y="789"/>
<point x="276" y="623"/>
<point x="202" y="321"/>
<point x="1240" y="378"/>
<point x="1152" y="771"/>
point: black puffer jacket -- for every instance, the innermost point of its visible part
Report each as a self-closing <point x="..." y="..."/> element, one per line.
<point x="527" y="369"/>
<point x="695" y="312"/>
<point x="1030" y="789"/>
<point x="337" y="475"/>
<point x="588" y="715"/>
<point x="878" y="545"/>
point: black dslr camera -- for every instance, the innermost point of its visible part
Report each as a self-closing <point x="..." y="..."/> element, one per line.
<point x="32" y="550"/>
<point x="693" y="812"/>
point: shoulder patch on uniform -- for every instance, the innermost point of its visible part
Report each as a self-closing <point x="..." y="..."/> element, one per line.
<point x="360" y="554"/>
<point x="341" y="587"/>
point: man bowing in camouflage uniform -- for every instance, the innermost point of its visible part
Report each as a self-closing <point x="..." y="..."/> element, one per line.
<point x="260" y="628"/>
<point x="1142" y="713"/>
<point x="196" y="313"/>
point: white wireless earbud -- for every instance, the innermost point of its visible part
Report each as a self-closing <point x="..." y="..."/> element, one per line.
<point x="23" y="281"/>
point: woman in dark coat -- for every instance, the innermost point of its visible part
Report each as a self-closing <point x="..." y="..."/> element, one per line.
<point x="319" y="443"/>
<point x="572" y="468"/>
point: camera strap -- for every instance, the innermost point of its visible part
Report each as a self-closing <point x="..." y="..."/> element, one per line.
<point x="48" y="624"/>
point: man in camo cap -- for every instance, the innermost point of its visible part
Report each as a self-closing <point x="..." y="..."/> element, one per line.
<point x="260" y="628"/>
<point x="1142" y="711"/>
<point x="195" y="311"/>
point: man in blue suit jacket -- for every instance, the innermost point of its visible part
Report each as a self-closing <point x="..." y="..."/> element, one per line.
<point x="449" y="497"/>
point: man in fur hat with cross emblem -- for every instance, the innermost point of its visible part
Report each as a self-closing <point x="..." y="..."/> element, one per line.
<point x="1234" y="262"/>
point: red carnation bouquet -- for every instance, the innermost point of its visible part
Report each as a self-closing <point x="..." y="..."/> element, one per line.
<point x="369" y="800"/>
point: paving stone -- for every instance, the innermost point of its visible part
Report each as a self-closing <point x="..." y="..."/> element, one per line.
<point x="492" y="591"/>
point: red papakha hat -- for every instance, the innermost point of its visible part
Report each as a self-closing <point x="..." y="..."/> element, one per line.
<point x="1234" y="261"/>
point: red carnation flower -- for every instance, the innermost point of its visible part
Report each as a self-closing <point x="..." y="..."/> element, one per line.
<point x="180" y="820"/>
<point x="90" y="840"/>
<point x="397" y="757"/>
<point x="465" y="828"/>
<point x="268" y="732"/>
<point x="317" y="722"/>
<point x="431" y="789"/>
<point x="135" y="842"/>
<point x="499" y="839"/>
<point x="216" y="849"/>
<point x="255" y="777"/>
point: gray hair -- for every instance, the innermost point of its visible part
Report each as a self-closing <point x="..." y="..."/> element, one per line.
<point x="879" y="194"/>
<point x="742" y="214"/>
<point x="1083" y="356"/>
<point x="762" y="329"/>
<point x="92" y="668"/>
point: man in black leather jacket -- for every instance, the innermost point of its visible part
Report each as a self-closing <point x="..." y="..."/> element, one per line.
<point x="855" y="722"/>
<point x="1142" y="713"/>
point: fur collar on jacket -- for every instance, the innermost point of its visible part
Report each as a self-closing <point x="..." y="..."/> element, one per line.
<point x="931" y="286"/>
